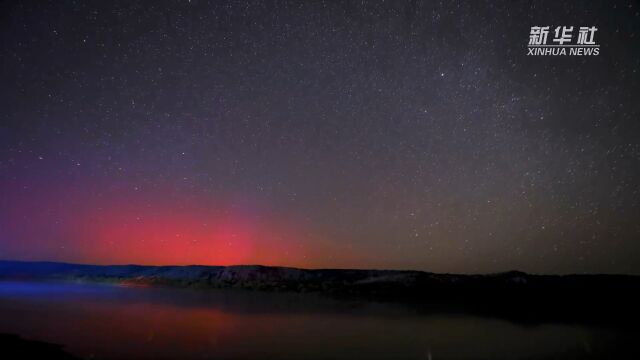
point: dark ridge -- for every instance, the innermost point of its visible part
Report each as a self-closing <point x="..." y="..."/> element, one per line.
<point x="610" y="299"/>
<point x="15" y="347"/>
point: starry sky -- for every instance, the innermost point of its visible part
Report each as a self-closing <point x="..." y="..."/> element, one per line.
<point x="355" y="134"/>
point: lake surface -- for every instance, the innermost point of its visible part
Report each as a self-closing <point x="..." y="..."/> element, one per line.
<point x="115" y="322"/>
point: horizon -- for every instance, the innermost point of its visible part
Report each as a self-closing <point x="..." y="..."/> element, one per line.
<point x="311" y="268"/>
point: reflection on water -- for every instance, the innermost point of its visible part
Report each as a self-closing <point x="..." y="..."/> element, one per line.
<point x="106" y="321"/>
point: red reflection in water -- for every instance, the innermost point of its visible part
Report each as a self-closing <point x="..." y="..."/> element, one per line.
<point x="116" y="323"/>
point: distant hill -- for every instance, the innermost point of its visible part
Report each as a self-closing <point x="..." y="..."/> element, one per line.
<point x="597" y="298"/>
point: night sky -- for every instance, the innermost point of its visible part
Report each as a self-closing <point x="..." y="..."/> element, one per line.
<point x="368" y="134"/>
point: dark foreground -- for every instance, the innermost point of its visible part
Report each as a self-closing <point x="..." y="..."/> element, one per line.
<point x="15" y="347"/>
<point x="109" y="321"/>
<point x="598" y="299"/>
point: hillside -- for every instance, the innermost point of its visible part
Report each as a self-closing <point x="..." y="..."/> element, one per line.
<point x="600" y="298"/>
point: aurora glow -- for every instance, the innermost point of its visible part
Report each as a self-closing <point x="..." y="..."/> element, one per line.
<point x="405" y="135"/>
